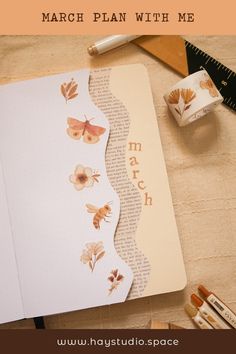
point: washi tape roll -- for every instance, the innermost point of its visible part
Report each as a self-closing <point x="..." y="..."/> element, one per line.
<point x="192" y="98"/>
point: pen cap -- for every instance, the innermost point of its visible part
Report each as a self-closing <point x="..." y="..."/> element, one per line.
<point x="203" y="291"/>
<point x="196" y="317"/>
<point x="191" y="311"/>
<point x="196" y="300"/>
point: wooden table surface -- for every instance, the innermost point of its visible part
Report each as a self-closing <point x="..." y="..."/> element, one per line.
<point x="201" y="166"/>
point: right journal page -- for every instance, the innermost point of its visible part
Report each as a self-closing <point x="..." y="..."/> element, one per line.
<point x="146" y="236"/>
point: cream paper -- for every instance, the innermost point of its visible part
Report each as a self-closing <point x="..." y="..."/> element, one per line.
<point x="157" y="262"/>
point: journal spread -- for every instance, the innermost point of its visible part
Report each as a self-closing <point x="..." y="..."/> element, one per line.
<point x="86" y="216"/>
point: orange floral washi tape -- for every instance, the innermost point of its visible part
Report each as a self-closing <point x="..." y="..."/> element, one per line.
<point x="192" y="98"/>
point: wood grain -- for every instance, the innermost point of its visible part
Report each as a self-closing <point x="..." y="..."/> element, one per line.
<point x="169" y="49"/>
<point x="201" y="166"/>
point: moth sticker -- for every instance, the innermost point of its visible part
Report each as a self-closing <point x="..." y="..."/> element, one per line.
<point x="78" y="129"/>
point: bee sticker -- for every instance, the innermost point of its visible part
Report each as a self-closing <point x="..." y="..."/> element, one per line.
<point x="100" y="214"/>
<point x="90" y="133"/>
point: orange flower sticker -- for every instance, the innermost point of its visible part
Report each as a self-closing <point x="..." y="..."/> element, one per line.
<point x="92" y="253"/>
<point x="185" y="95"/>
<point x="83" y="177"/>
<point x="188" y="95"/>
<point x="174" y="97"/>
<point x="210" y="86"/>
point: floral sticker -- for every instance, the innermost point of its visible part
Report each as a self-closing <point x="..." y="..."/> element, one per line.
<point x="83" y="177"/>
<point x="68" y="90"/>
<point x="184" y="95"/>
<point x="210" y="86"/>
<point x="100" y="214"/>
<point x="115" y="279"/>
<point x="93" y="253"/>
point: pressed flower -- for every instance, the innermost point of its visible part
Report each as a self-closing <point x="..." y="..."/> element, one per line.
<point x="181" y="99"/>
<point x="83" y="177"/>
<point x="188" y="95"/>
<point x="93" y="253"/>
<point x="114" y="272"/>
<point x="210" y="86"/>
<point x="174" y="97"/>
<point x="85" y="257"/>
<point x="98" y="247"/>
<point x="115" y="279"/>
<point x="119" y="277"/>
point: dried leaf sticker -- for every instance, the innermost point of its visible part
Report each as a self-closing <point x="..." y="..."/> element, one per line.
<point x="83" y="177"/>
<point x="92" y="253"/>
<point x="210" y="86"/>
<point x="115" y="279"/>
<point x="68" y="90"/>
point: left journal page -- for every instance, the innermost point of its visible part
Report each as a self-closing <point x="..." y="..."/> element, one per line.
<point x="63" y="209"/>
<point x="11" y="307"/>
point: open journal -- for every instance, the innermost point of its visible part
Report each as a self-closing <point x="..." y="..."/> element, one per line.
<point x="86" y="216"/>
